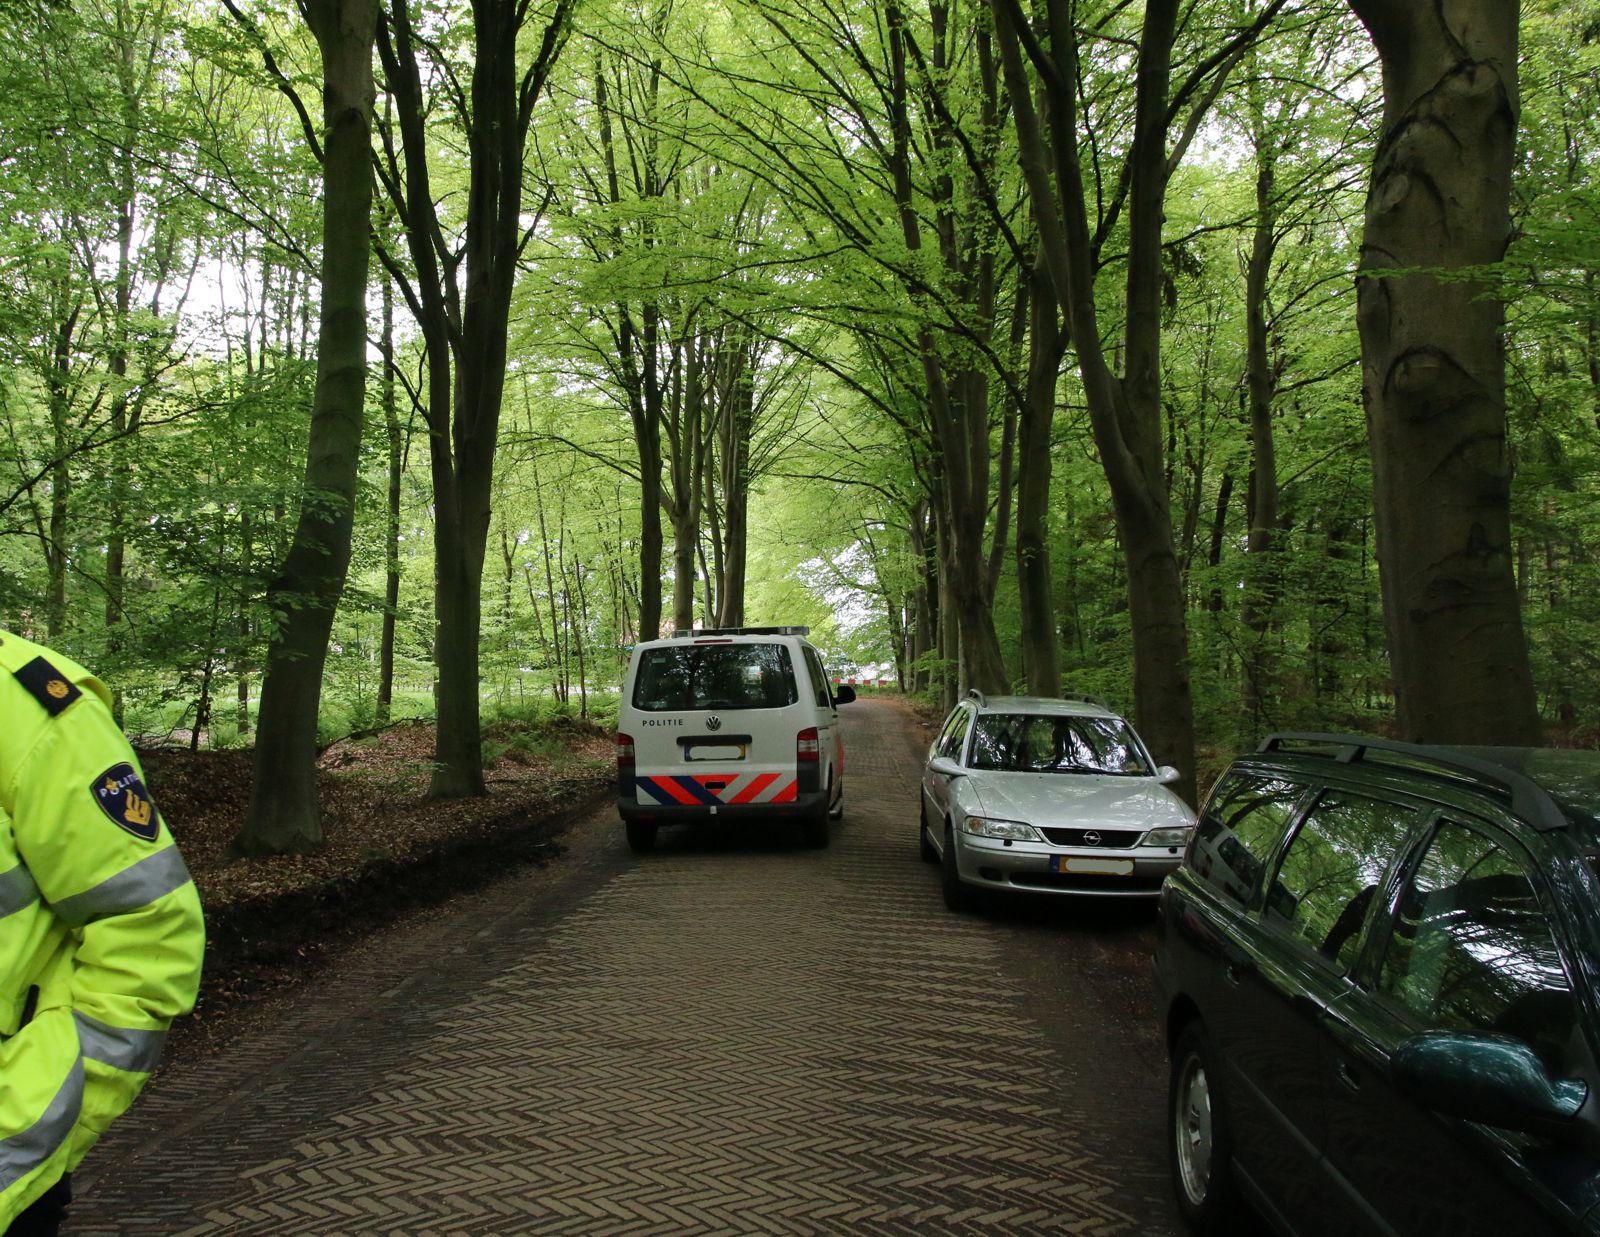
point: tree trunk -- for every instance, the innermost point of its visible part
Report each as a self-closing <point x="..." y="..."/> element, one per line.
<point x="54" y="539"/>
<point x="491" y="241"/>
<point x="651" y="542"/>
<point x="577" y="637"/>
<point x="639" y="374"/>
<point x="1219" y="535"/>
<point x="1125" y="412"/>
<point x="736" y="421"/>
<point x="122" y="455"/>
<point x="464" y="327"/>
<point x="1330" y="613"/>
<point x="391" y="532"/>
<point x="1261" y="591"/>
<point x="685" y="541"/>
<point x="1041" y="655"/>
<point x="687" y="470"/>
<point x="925" y="634"/>
<point x="245" y="628"/>
<point x="957" y="398"/>
<point x="283" y="815"/>
<point x="951" y="682"/>
<point x="1433" y="370"/>
<point x="569" y="630"/>
<point x="457" y="608"/>
<point x="558" y="658"/>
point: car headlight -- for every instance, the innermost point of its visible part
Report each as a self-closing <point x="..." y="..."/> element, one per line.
<point x="1013" y="830"/>
<point x="1168" y="837"/>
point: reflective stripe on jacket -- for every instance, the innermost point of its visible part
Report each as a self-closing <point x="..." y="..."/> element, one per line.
<point x="101" y="934"/>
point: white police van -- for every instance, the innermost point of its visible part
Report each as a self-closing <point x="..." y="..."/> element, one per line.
<point x="735" y="723"/>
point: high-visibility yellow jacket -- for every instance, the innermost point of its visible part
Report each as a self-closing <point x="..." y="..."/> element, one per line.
<point x="101" y="935"/>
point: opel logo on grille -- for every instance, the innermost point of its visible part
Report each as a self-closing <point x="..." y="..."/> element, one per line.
<point x="1091" y="838"/>
<point x="713" y="723"/>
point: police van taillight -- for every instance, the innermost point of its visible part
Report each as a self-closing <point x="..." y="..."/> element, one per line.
<point x="624" y="751"/>
<point x="807" y="745"/>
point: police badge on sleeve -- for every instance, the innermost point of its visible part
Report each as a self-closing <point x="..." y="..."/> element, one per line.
<point x="122" y="796"/>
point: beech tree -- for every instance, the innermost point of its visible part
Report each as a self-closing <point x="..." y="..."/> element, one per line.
<point x="1299" y="135"/>
<point x="1125" y="408"/>
<point x="458" y="288"/>
<point x="284" y="813"/>
<point x="882" y="131"/>
<point x="1433" y="369"/>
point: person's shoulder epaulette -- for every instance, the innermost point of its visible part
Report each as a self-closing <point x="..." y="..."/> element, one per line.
<point x="42" y="679"/>
<point x="46" y="684"/>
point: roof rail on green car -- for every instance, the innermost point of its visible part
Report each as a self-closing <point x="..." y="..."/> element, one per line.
<point x="1527" y="798"/>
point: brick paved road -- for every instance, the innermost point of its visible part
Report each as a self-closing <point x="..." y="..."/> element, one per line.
<point x="732" y="1035"/>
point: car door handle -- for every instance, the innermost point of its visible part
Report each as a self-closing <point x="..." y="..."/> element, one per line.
<point x="1235" y="969"/>
<point x="1348" y="1078"/>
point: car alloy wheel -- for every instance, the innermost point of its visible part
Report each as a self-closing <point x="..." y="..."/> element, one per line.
<point x="1198" y="1136"/>
<point x="1192" y="1130"/>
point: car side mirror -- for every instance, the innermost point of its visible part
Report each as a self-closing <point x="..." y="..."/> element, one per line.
<point x="945" y="767"/>
<point x="1492" y="1079"/>
<point x="844" y="694"/>
<point x="1167" y="774"/>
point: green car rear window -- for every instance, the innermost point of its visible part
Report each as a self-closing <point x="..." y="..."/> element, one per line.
<point x="714" y="676"/>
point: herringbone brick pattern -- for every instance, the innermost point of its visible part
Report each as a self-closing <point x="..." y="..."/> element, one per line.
<point x="723" y="1037"/>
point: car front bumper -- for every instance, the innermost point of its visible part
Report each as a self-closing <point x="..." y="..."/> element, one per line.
<point x="1037" y="867"/>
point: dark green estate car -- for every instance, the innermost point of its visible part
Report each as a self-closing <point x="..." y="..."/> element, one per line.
<point x="1379" y="968"/>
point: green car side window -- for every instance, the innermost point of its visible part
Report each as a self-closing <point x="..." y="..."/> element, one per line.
<point x="1244" y="820"/>
<point x="1471" y="948"/>
<point x="1331" y="872"/>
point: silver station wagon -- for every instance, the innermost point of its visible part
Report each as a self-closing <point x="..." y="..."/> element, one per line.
<point x="1047" y="795"/>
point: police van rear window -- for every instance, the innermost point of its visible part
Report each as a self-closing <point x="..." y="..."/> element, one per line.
<point x="714" y="676"/>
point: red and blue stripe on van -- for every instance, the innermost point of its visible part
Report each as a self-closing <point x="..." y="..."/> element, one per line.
<point x="715" y="789"/>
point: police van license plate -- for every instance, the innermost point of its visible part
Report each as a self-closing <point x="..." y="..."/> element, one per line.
<point x="715" y="751"/>
<point x="1091" y="866"/>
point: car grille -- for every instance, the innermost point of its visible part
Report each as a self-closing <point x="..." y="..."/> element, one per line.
<point x="1112" y="839"/>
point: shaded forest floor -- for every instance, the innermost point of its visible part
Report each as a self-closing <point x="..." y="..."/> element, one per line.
<point x="390" y="852"/>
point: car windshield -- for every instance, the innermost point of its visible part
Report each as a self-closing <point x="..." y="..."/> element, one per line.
<point x="714" y="676"/>
<point x="1042" y="743"/>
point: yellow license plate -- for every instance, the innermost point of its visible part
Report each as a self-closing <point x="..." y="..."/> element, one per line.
<point x="1091" y="866"/>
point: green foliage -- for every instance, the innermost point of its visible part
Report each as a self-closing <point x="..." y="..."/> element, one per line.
<point x="754" y="224"/>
